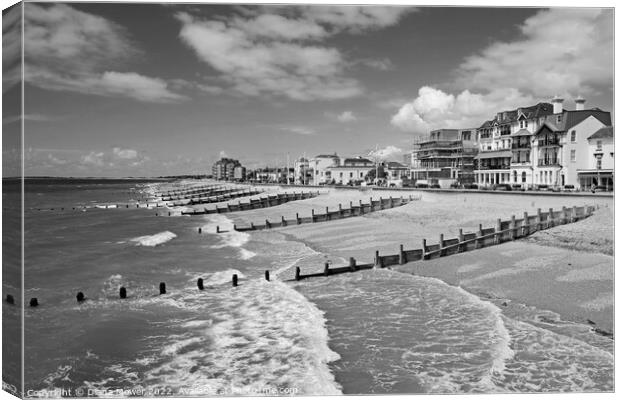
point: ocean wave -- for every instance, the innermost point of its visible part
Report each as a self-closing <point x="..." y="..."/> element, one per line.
<point x="154" y="240"/>
<point x="263" y="336"/>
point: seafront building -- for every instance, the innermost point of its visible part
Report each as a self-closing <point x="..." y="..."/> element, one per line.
<point x="444" y="157"/>
<point x="599" y="168"/>
<point x="224" y="169"/>
<point x="352" y="171"/>
<point x="319" y="167"/>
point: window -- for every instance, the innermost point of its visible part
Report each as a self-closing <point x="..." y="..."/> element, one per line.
<point x="350" y="174"/>
<point x="599" y="145"/>
<point x="559" y="119"/>
<point x="599" y="163"/>
<point x="341" y="174"/>
<point x="521" y="124"/>
<point x="526" y="123"/>
<point x="573" y="136"/>
<point x="523" y="176"/>
<point x="573" y="156"/>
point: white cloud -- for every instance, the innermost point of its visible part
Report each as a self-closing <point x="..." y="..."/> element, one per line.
<point x="564" y="51"/>
<point x="386" y="153"/>
<point x="223" y="154"/>
<point x="347" y="116"/>
<point x="93" y="158"/>
<point x="261" y="52"/>
<point x="434" y="109"/>
<point x="299" y="130"/>
<point x="128" y="154"/>
<point x="70" y="50"/>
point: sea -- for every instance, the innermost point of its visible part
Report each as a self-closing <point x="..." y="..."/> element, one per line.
<point x="372" y="332"/>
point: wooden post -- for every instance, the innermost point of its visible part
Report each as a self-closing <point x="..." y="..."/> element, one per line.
<point x="297" y="273"/>
<point x="538" y="220"/>
<point x="199" y="230"/>
<point x="479" y="241"/>
<point x="340" y="209"/>
<point x="283" y="221"/>
<point x="297" y="218"/>
<point x="267" y="224"/>
<point x="162" y="288"/>
<point x="461" y="240"/>
<point x="526" y="225"/>
<point x="377" y="259"/>
<point x="313" y="215"/>
<point x="217" y="229"/>
<point x="401" y="255"/>
<point x="550" y="218"/>
<point x="498" y="230"/>
<point x="326" y="269"/>
<point x="573" y="216"/>
<point x="267" y="275"/>
<point x="234" y="227"/>
<point x="423" y="249"/>
<point x="326" y="213"/>
<point x="380" y="203"/>
<point x="352" y="265"/>
<point x="564" y="215"/>
<point x="10" y="299"/>
<point x="513" y="227"/>
<point x="234" y="280"/>
<point x="80" y="297"/>
<point x="391" y="202"/>
<point x="34" y="302"/>
<point x="200" y="284"/>
<point x="361" y="208"/>
<point x="252" y="226"/>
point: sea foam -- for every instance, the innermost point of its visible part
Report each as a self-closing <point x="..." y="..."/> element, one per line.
<point x="154" y="240"/>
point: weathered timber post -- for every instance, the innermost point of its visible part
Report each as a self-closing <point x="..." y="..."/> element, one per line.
<point x="199" y="230"/>
<point x="326" y="269"/>
<point x="10" y="299"/>
<point x="162" y="288"/>
<point x="441" y="244"/>
<point x="252" y="227"/>
<point x="267" y="224"/>
<point x="550" y="218"/>
<point x="461" y="240"/>
<point x="234" y="227"/>
<point x="538" y="219"/>
<point x="377" y="259"/>
<point x="423" y="249"/>
<point x="361" y="208"/>
<point x="526" y="225"/>
<point x="391" y="202"/>
<point x="200" y="284"/>
<point x="352" y="265"/>
<point x="380" y="203"/>
<point x="217" y="229"/>
<point x="297" y="273"/>
<point x="80" y="297"/>
<point x="267" y="275"/>
<point x="283" y="221"/>
<point x="297" y="218"/>
<point x="371" y="204"/>
<point x="34" y="302"/>
<point x="401" y="255"/>
<point x="564" y="217"/>
<point x="573" y="214"/>
<point x="479" y="241"/>
<point x="498" y="231"/>
<point x="513" y="227"/>
<point x="340" y="210"/>
<point x="327" y="214"/>
<point x="122" y="292"/>
<point x="312" y="215"/>
<point x="234" y="280"/>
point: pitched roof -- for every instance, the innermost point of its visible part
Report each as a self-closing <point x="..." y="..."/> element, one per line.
<point x="535" y="111"/>
<point x="395" y="164"/>
<point x="606" y="132"/>
<point x="572" y="118"/>
<point x="357" y="160"/>
<point x="522" y="132"/>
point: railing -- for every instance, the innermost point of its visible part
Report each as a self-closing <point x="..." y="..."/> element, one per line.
<point x="517" y="145"/>
<point x="486" y="167"/>
<point x="549" y="142"/>
<point x="549" y="162"/>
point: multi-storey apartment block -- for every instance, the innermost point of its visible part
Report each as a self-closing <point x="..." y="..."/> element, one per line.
<point x="444" y="157"/>
<point x="224" y="169"/>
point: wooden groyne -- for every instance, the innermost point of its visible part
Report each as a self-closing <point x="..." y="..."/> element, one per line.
<point x="503" y="231"/>
<point x="207" y="193"/>
<point x="252" y="204"/>
<point x="218" y="198"/>
<point x="352" y="211"/>
<point x="191" y="190"/>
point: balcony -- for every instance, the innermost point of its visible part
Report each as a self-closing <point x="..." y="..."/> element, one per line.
<point x="549" y="142"/>
<point x="518" y="145"/>
<point x="549" y="162"/>
<point x="487" y="167"/>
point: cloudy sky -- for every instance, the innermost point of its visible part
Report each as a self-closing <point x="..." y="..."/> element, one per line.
<point x="147" y="90"/>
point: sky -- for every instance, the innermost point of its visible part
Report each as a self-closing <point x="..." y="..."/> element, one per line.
<point x="167" y="89"/>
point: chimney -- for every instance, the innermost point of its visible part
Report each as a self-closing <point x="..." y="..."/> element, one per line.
<point x="579" y="103"/>
<point x="557" y="104"/>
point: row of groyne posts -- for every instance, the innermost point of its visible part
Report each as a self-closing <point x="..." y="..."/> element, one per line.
<point x="262" y="202"/>
<point x="503" y="231"/>
<point x="352" y="211"/>
<point x="203" y="197"/>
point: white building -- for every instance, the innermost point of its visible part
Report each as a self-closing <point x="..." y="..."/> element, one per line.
<point x="319" y="166"/>
<point x="599" y="164"/>
<point x="352" y="171"/>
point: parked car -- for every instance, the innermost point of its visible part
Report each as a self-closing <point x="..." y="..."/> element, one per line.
<point x="470" y="186"/>
<point x="421" y="185"/>
<point x="543" y="187"/>
<point x="568" y="188"/>
<point x="435" y="186"/>
<point x="455" y="185"/>
<point x="601" y="188"/>
<point x="516" y="186"/>
<point x="502" y="186"/>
